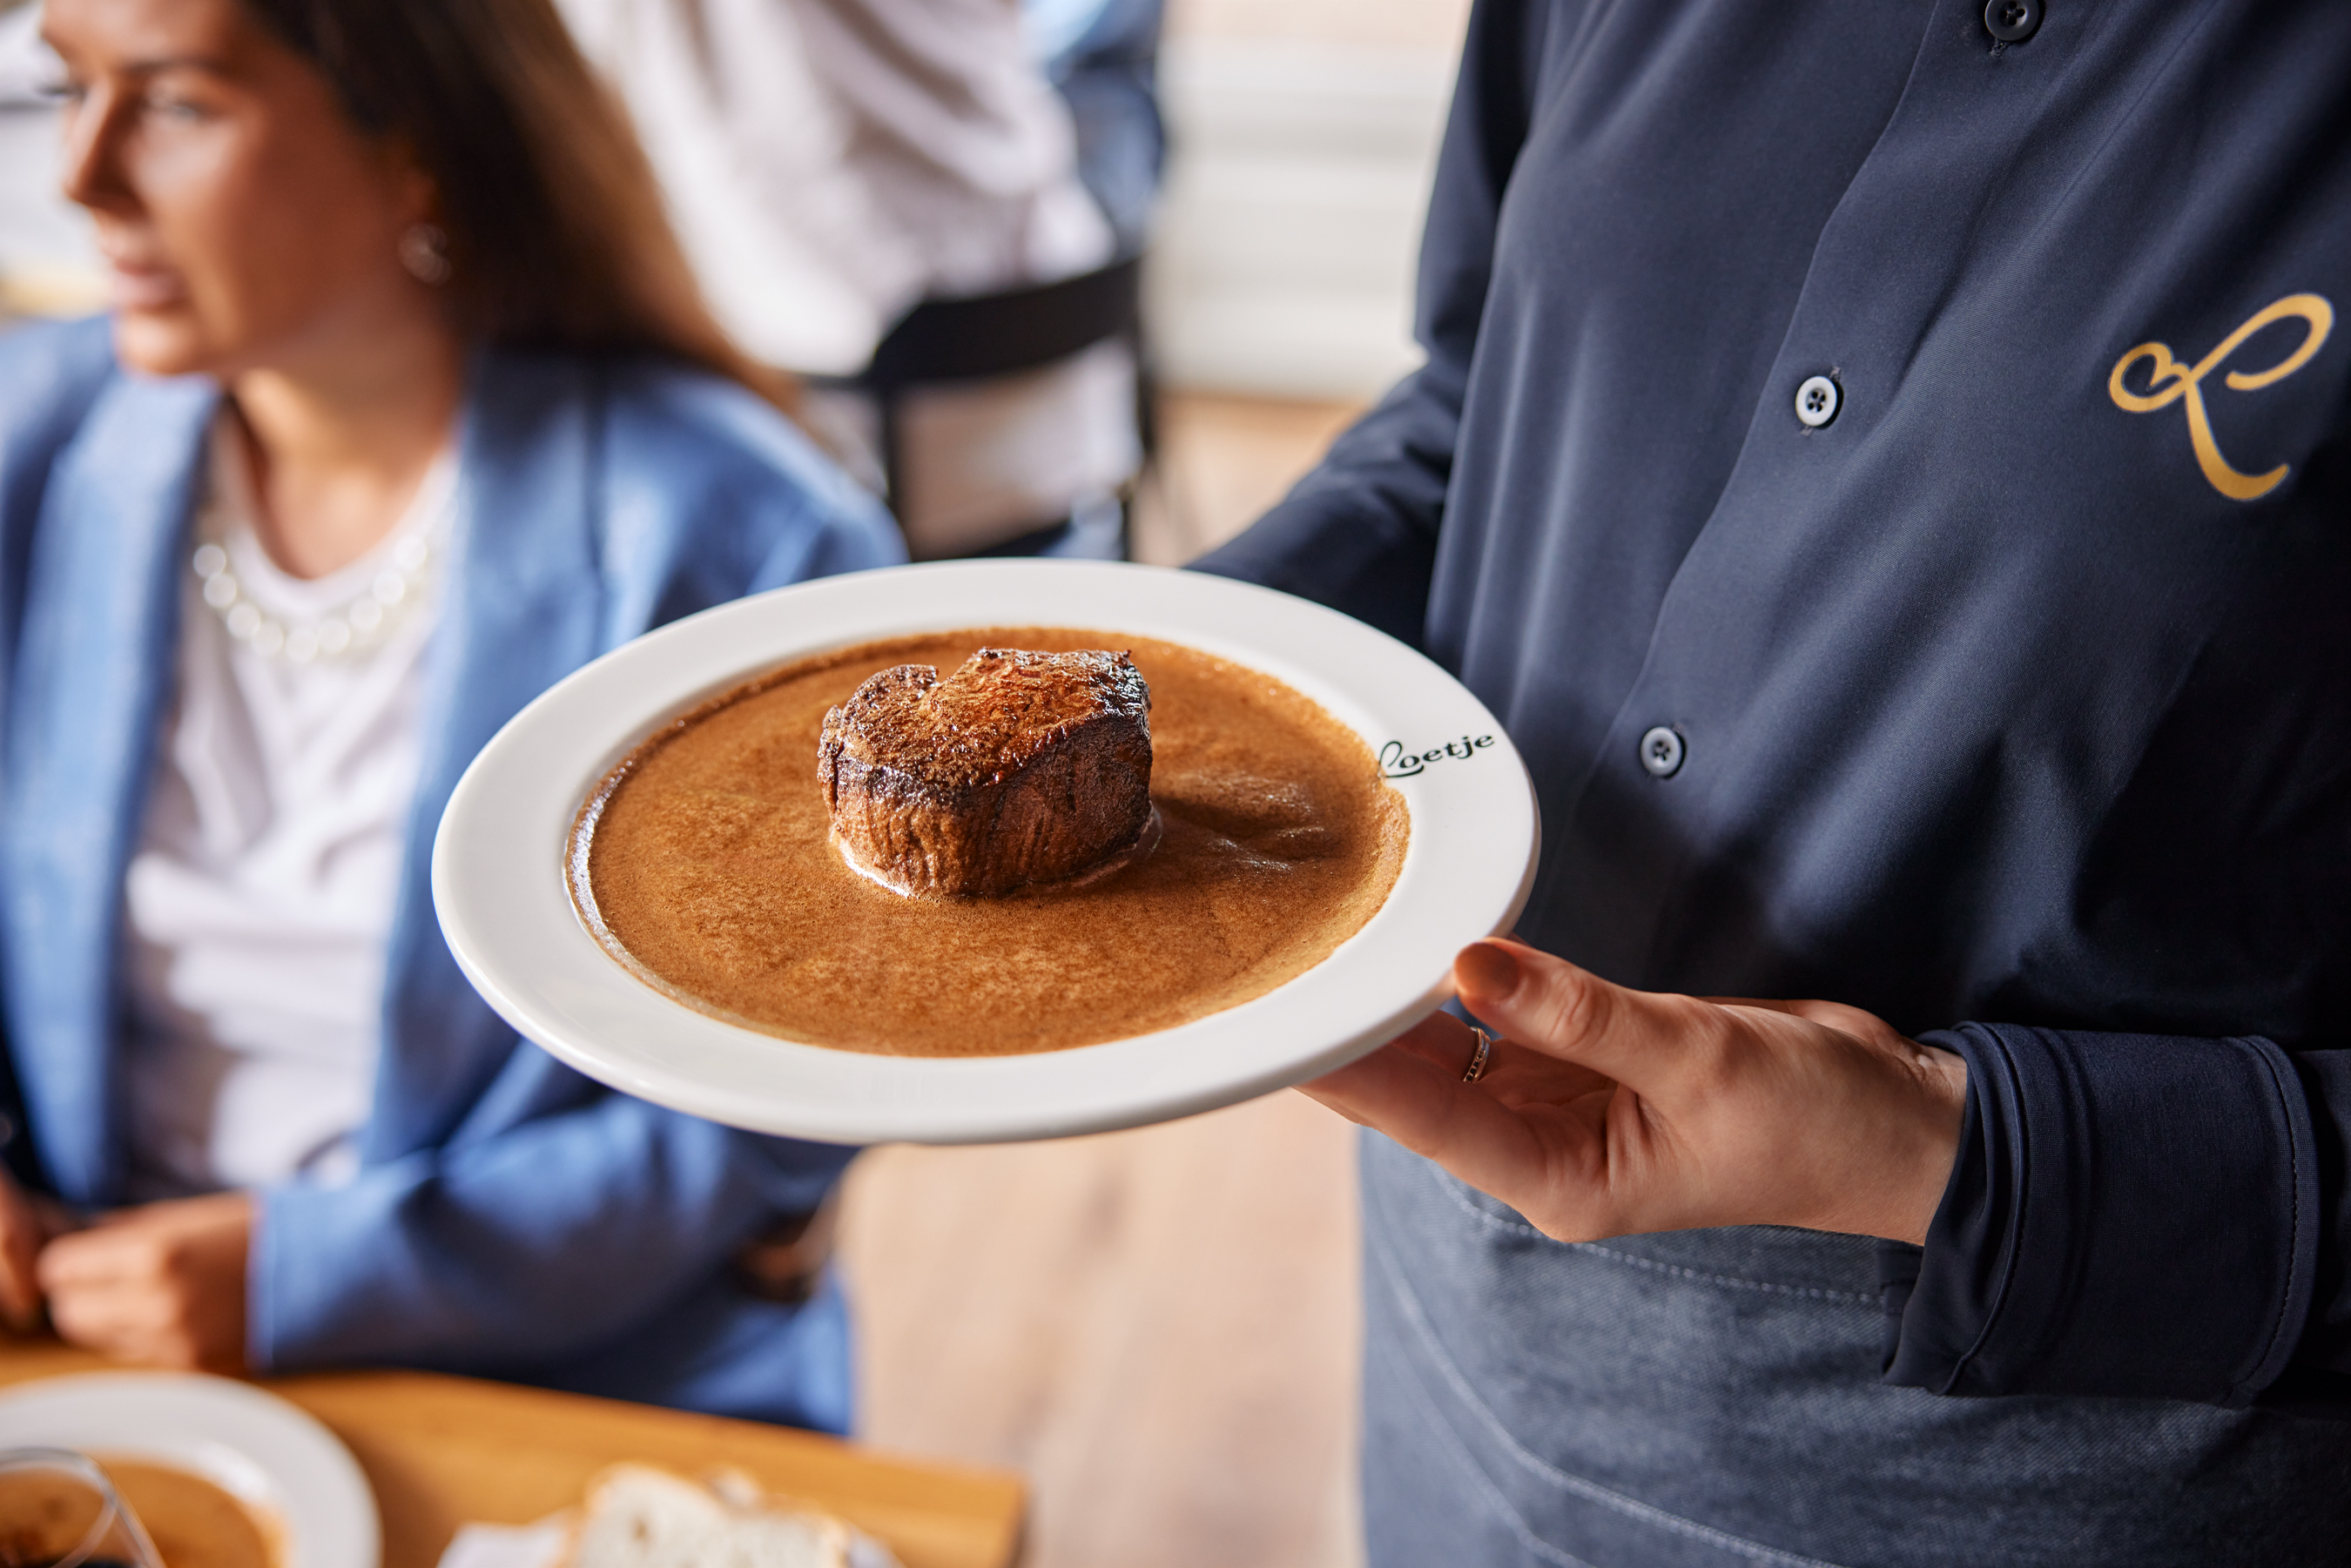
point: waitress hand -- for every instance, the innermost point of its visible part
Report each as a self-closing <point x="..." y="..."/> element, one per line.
<point x="26" y="1223"/>
<point x="161" y="1284"/>
<point x="1606" y="1111"/>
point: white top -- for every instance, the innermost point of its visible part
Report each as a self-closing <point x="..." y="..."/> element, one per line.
<point x="260" y="895"/>
<point x="829" y="162"/>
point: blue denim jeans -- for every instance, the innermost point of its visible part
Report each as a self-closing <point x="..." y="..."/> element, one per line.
<point x="1711" y="1398"/>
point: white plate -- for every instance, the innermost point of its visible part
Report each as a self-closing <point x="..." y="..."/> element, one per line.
<point x="498" y="883"/>
<point x="247" y="1442"/>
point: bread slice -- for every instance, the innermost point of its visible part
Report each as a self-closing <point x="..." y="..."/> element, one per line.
<point x="638" y="1516"/>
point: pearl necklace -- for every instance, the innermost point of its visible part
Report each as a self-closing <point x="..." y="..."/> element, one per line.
<point x="402" y="582"/>
<point x="359" y="625"/>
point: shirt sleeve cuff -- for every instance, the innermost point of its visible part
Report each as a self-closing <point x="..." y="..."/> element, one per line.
<point x="2129" y="1216"/>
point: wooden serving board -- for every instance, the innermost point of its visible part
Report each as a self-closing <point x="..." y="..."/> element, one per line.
<point x="443" y="1451"/>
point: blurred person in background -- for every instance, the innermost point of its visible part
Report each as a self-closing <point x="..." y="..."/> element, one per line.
<point x="408" y="406"/>
<point x="832" y="164"/>
<point x="1102" y="56"/>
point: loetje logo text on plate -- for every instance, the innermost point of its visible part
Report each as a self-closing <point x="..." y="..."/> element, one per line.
<point x="1395" y="762"/>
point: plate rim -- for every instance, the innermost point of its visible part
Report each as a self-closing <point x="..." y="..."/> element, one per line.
<point x="1216" y="604"/>
<point x="351" y="1523"/>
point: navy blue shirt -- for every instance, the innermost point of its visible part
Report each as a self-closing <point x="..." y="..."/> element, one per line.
<point x="2015" y="700"/>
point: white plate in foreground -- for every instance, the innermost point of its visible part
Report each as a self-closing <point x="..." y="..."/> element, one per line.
<point x="498" y="863"/>
<point x="249" y="1443"/>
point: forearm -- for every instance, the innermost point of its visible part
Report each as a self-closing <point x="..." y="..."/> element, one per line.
<point x="2129" y="1215"/>
<point x="543" y="1240"/>
<point x="2317" y="1381"/>
<point x="1359" y="533"/>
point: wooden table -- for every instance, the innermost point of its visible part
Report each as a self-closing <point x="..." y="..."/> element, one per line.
<point x="445" y="1451"/>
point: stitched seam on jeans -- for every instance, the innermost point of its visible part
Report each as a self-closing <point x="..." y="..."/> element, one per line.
<point x="1519" y="1228"/>
<point x="1482" y="1482"/>
<point x="1591" y="1491"/>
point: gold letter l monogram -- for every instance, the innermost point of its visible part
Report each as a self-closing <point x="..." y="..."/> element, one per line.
<point x="2169" y="381"/>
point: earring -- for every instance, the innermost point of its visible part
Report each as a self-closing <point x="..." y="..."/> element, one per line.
<point x="424" y="252"/>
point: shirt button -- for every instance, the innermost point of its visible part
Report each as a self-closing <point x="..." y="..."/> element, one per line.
<point x="1661" y="752"/>
<point x="2013" y="21"/>
<point x="1817" y="401"/>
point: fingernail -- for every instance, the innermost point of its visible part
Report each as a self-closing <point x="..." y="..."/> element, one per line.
<point x="1487" y="969"/>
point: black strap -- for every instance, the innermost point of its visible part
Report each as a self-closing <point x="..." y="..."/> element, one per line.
<point x="987" y="335"/>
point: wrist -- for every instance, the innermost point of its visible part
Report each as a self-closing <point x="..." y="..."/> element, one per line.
<point x="1942" y="1082"/>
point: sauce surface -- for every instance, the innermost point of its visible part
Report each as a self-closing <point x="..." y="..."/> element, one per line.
<point x="703" y="864"/>
<point x="194" y="1523"/>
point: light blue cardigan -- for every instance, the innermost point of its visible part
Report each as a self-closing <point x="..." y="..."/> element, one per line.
<point x="510" y="1216"/>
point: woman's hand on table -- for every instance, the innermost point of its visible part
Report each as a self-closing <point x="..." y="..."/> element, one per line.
<point x="161" y="1284"/>
<point x="26" y="1223"/>
<point x="1606" y="1111"/>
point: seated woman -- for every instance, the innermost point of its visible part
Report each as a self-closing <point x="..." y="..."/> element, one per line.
<point x="408" y="409"/>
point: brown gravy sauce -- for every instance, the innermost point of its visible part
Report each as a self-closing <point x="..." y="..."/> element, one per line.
<point x="194" y="1523"/>
<point x="702" y="863"/>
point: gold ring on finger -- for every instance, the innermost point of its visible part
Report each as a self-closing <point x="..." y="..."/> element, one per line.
<point x="1477" y="1068"/>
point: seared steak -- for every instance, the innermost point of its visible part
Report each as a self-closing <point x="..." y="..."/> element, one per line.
<point x="1019" y="768"/>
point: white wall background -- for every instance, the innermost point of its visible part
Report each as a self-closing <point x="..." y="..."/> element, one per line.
<point x="46" y="259"/>
<point x="1298" y="173"/>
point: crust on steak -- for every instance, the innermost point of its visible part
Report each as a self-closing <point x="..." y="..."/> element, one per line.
<point x="1018" y="769"/>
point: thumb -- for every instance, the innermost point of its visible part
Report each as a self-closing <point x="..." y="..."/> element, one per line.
<point x="1551" y="1006"/>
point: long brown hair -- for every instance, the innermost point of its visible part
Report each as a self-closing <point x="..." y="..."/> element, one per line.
<point x="557" y="233"/>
